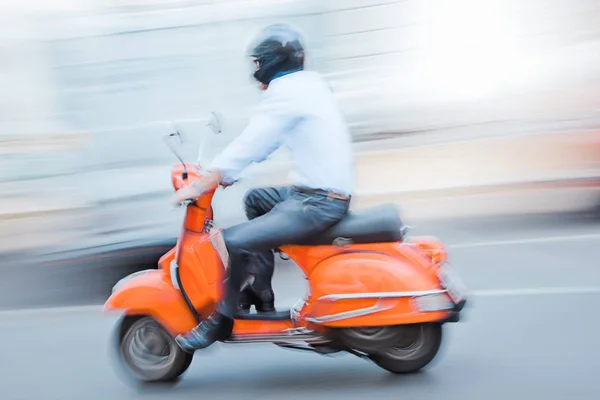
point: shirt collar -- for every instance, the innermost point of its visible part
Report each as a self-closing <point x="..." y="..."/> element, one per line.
<point x="284" y="73"/>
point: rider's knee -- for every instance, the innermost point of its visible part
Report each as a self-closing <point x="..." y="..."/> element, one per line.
<point x="250" y="203"/>
<point x="234" y="242"/>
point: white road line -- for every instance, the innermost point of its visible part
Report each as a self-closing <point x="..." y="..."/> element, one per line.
<point x="510" y="242"/>
<point x="516" y="292"/>
<point x="542" y="291"/>
<point x="51" y="310"/>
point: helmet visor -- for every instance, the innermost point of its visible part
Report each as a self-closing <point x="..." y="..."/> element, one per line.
<point x="282" y="34"/>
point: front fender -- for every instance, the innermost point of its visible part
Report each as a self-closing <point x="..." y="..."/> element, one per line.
<point x="371" y="289"/>
<point x="151" y="293"/>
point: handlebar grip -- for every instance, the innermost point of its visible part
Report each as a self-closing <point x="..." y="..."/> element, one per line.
<point x="227" y="183"/>
<point x="182" y="204"/>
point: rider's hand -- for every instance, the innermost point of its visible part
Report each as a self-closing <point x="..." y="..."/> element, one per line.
<point x="195" y="190"/>
<point x="227" y="182"/>
<point x="191" y="192"/>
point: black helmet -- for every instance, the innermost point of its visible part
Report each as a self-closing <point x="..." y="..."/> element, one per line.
<point x="276" y="49"/>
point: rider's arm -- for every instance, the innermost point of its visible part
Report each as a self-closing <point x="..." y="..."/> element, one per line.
<point x="263" y="135"/>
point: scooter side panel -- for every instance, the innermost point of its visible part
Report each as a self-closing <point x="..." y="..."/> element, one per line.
<point x="201" y="272"/>
<point x="152" y="294"/>
<point x="425" y="251"/>
<point x="374" y="273"/>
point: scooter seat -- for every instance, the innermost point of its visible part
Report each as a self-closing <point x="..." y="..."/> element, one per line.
<point x="374" y="225"/>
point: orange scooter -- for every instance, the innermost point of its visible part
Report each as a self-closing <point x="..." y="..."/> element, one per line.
<point x="373" y="293"/>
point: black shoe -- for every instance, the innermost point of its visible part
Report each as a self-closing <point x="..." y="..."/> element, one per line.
<point x="246" y="300"/>
<point x="265" y="306"/>
<point x="263" y="301"/>
<point x="216" y="327"/>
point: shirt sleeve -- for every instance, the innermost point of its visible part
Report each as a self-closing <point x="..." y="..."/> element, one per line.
<point x="262" y="136"/>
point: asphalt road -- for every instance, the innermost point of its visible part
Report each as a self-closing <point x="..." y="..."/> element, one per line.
<point x="531" y="333"/>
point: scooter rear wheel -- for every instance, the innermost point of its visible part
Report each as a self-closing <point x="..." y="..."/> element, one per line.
<point x="414" y="349"/>
<point x="149" y="353"/>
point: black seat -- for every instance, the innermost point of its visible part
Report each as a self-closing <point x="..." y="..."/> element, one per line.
<point x="373" y="225"/>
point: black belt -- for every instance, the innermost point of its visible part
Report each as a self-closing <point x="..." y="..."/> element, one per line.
<point x="325" y="193"/>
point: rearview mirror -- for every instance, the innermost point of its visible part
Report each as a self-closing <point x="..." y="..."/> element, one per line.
<point x="214" y="123"/>
<point x="175" y="133"/>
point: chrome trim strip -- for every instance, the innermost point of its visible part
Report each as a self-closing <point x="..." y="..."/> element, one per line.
<point x="173" y="267"/>
<point x="368" y="310"/>
<point x="218" y="243"/>
<point x="287" y="336"/>
<point x="348" y="314"/>
<point x="242" y="339"/>
<point x="296" y="309"/>
<point x="380" y="295"/>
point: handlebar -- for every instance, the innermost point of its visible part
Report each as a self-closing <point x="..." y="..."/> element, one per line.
<point x="186" y="203"/>
<point x="182" y="204"/>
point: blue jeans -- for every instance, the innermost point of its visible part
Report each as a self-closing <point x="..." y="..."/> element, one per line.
<point x="277" y="217"/>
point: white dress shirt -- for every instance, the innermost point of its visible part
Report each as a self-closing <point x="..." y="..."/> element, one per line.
<point x="298" y="111"/>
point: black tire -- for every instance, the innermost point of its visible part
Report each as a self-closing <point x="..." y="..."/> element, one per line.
<point x="188" y="361"/>
<point x="171" y="360"/>
<point x="409" y="358"/>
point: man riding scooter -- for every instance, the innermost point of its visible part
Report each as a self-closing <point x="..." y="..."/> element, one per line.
<point x="298" y="111"/>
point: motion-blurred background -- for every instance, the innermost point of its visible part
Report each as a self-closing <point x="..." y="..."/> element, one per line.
<point x="479" y="118"/>
<point x="458" y="108"/>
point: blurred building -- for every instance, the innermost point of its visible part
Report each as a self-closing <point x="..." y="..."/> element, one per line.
<point x="105" y="77"/>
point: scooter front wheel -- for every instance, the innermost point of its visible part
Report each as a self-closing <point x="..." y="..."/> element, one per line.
<point x="414" y="349"/>
<point x="149" y="352"/>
